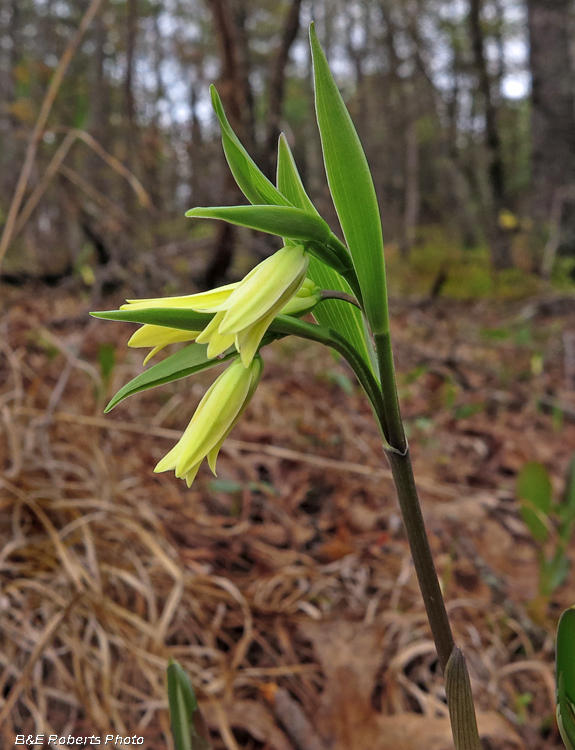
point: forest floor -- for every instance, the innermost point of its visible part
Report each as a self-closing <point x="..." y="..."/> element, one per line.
<point x="285" y="586"/>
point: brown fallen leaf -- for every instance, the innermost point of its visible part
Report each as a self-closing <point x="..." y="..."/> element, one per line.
<point x="251" y="717"/>
<point x="349" y="654"/>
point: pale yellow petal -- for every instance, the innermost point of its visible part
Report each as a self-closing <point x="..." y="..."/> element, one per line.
<point x="217" y="344"/>
<point x="248" y="340"/>
<point x="214" y="415"/>
<point x="190" y="475"/>
<point x="153" y="353"/>
<point x="170" y="460"/>
<point x="152" y="335"/>
<point x="189" y="301"/>
<point x="212" y="327"/>
<point x="258" y="294"/>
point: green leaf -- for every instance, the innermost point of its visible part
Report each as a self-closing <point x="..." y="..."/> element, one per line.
<point x="188" y="728"/>
<point x="173" y="317"/>
<point x="565" y="663"/>
<point x="106" y="360"/>
<point x="341" y="316"/>
<point x="250" y="179"/>
<point x="285" y="221"/>
<point x="566" y="508"/>
<point x="186" y="362"/>
<point x="289" y="181"/>
<point x="534" y="492"/>
<point x="558" y="570"/>
<point x="352" y="189"/>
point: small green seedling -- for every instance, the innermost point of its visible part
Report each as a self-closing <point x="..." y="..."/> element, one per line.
<point x="547" y="521"/>
<point x="188" y="726"/>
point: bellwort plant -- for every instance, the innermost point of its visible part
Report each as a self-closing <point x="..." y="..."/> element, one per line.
<point x="343" y="285"/>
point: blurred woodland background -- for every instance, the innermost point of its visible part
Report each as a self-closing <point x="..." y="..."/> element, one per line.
<point x="284" y="586"/>
<point x="465" y="108"/>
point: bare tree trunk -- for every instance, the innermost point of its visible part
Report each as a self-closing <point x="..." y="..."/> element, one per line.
<point x="99" y="104"/>
<point x="276" y="87"/>
<point x="130" y="112"/>
<point x="411" y="207"/>
<point x="235" y="90"/>
<point x="499" y="240"/>
<point x="553" y="109"/>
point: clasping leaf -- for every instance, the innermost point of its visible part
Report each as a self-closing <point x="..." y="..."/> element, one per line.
<point x="352" y="189"/>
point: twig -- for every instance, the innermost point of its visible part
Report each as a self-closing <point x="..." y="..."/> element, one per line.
<point x="114" y="164"/>
<point x="40" y="188"/>
<point x="56" y="165"/>
<point x="38" y="131"/>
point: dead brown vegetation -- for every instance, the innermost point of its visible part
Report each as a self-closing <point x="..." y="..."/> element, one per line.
<point x="285" y="588"/>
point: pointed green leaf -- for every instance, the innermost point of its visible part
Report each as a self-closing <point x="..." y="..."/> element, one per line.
<point x="285" y="221"/>
<point x="341" y="316"/>
<point x="289" y="181"/>
<point x="188" y="728"/>
<point x="250" y="179"/>
<point x="174" y="317"/>
<point x="186" y="362"/>
<point x="534" y="493"/>
<point x="352" y="189"/>
<point x="565" y="663"/>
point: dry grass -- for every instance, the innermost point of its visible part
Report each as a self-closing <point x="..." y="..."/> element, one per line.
<point x="107" y="570"/>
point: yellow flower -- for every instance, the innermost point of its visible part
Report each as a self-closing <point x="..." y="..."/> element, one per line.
<point x="218" y="411"/>
<point x="244" y="317"/>
<point x="244" y="310"/>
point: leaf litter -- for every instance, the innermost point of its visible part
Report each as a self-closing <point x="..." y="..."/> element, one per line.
<point x="284" y="586"/>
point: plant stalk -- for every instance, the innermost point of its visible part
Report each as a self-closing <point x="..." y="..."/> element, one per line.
<point x="421" y="553"/>
<point x="400" y="463"/>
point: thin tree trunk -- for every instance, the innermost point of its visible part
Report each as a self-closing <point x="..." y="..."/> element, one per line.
<point x="99" y="104"/>
<point x="235" y="91"/>
<point x="276" y="87"/>
<point x="130" y="111"/>
<point x="411" y="208"/>
<point x="499" y="240"/>
<point x="553" y="109"/>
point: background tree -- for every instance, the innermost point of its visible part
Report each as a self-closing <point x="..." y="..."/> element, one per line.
<point x="438" y="89"/>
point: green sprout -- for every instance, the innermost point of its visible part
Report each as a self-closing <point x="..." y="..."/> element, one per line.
<point x="548" y="522"/>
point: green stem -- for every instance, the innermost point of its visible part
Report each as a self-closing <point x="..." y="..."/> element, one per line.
<point x="385" y="405"/>
<point x="335" y="294"/>
<point x="421" y="553"/>
<point x="402" y="470"/>
<point x="286" y="324"/>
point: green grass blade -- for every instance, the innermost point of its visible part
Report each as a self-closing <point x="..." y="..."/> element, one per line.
<point x="186" y="362"/>
<point x="285" y="221"/>
<point x="352" y="189"/>
<point x="188" y="729"/>
<point x="184" y="319"/>
<point x="341" y="316"/>
<point x="250" y="179"/>
<point x="565" y="662"/>
<point x="534" y="492"/>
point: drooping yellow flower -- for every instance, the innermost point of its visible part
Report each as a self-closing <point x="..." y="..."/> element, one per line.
<point x="243" y="311"/>
<point x="244" y="317"/>
<point x="218" y="411"/>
